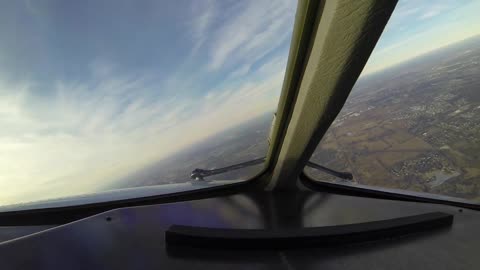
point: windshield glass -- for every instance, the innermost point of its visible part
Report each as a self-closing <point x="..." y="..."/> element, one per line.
<point x="412" y="121"/>
<point x="102" y="95"/>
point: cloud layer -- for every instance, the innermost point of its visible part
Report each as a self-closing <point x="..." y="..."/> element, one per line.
<point x="66" y="134"/>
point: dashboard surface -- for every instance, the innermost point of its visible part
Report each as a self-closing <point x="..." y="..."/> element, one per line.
<point x="134" y="237"/>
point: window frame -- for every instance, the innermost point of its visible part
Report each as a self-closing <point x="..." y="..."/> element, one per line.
<point x="382" y="193"/>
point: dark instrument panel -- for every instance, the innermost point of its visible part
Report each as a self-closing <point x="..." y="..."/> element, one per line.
<point x="134" y="237"/>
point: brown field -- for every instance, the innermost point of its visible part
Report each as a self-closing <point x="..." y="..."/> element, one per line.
<point x="413" y="144"/>
<point x="388" y="159"/>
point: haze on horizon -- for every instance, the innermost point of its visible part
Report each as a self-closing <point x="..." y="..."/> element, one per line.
<point x="93" y="90"/>
<point x="418" y="27"/>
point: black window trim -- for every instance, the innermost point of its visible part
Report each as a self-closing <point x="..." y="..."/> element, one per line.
<point x="64" y="214"/>
<point x="384" y="193"/>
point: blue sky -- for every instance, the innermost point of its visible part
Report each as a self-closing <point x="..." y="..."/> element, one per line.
<point x="419" y="26"/>
<point x="92" y="90"/>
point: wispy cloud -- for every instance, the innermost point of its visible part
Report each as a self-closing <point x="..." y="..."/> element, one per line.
<point x="203" y="14"/>
<point x="257" y="27"/>
<point x="433" y="11"/>
<point x="65" y="134"/>
<point x="108" y="126"/>
<point x="418" y="27"/>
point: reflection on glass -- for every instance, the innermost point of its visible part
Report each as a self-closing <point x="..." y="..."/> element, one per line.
<point x="412" y="121"/>
<point x="100" y="95"/>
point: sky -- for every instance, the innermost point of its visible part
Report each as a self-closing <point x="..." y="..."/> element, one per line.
<point x="93" y="90"/>
<point x="417" y="27"/>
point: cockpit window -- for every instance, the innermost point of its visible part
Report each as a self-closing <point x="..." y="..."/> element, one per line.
<point x="102" y="95"/>
<point x="412" y="120"/>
